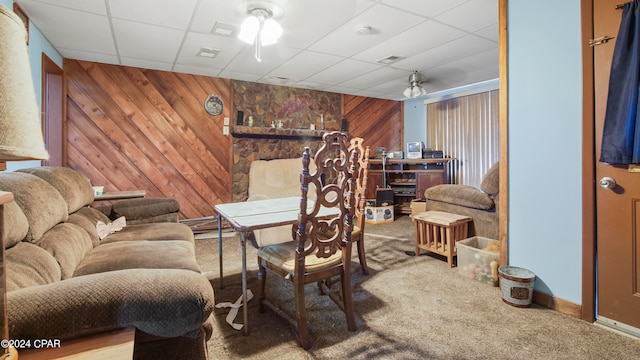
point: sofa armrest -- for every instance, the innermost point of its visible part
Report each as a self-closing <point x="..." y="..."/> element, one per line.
<point x="159" y="302"/>
<point x="143" y="210"/>
<point x="462" y="195"/>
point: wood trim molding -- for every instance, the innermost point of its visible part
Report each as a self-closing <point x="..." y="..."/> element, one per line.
<point x="504" y="134"/>
<point x="560" y="305"/>
<point x="588" y="167"/>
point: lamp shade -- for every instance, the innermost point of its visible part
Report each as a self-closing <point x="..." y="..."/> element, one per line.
<point x="249" y="29"/>
<point x="20" y="124"/>
<point x="270" y="32"/>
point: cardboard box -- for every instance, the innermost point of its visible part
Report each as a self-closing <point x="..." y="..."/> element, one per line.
<point x="475" y="261"/>
<point x="378" y="214"/>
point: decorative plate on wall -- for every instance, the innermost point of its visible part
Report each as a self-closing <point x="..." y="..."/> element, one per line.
<point x="214" y="105"/>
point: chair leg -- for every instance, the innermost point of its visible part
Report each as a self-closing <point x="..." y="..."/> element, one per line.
<point x="304" y="338"/>
<point x="362" y="256"/>
<point x="262" y="277"/>
<point x="347" y="298"/>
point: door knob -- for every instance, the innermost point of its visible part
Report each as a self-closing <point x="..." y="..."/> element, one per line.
<point x="607" y="183"/>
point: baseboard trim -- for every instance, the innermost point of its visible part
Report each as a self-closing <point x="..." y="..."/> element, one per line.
<point x="557" y="304"/>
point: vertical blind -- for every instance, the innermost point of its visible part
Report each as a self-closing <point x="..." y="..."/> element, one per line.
<point x="467" y="129"/>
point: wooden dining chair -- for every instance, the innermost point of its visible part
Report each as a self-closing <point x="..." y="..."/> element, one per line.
<point x="355" y="144"/>
<point x="323" y="245"/>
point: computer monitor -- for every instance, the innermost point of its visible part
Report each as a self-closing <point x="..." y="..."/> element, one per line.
<point x="414" y="150"/>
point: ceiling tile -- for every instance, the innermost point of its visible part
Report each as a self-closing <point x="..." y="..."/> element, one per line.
<point x="272" y="57"/>
<point x="430" y="8"/>
<point x="384" y="21"/>
<point x="374" y="78"/>
<point x="146" y="64"/>
<point x="229" y="50"/>
<point x="447" y="52"/>
<point x="166" y="13"/>
<point x="197" y="70"/>
<point x="304" y="64"/>
<point x="209" y="11"/>
<point x="78" y="31"/>
<point x="342" y="71"/>
<point x="422" y="37"/>
<point x="89" y="56"/>
<point x="490" y="32"/>
<point x="471" y="15"/>
<point x="150" y="42"/>
<point x="92" y="6"/>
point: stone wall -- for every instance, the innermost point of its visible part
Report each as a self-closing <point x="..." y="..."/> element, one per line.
<point x="296" y="108"/>
<point x="248" y="149"/>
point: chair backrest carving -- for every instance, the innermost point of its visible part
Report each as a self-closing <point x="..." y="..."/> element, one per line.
<point x="355" y="145"/>
<point x="327" y="235"/>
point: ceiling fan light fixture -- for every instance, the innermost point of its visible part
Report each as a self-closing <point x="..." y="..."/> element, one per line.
<point x="415" y="88"/>
<point x="261" y="29"/>
<point x="249" y="29"/>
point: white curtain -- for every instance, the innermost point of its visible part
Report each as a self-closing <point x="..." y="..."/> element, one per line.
<point x="467" y="129"/>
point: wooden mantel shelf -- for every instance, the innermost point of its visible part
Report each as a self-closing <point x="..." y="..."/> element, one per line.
<point x="275" y="133"/>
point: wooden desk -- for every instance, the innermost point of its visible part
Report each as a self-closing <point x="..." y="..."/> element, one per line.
<point x="116" y="344"/>
<point x="119" y="195"/>
<point x="247" y="216"/>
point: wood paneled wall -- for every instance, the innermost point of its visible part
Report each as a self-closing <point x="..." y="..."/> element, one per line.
<point x="378" y="122"/>
<point x="131" y="128"/>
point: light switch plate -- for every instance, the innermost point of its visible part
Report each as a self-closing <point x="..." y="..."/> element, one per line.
<point x="225" y="130"/>
<point x="226" y="120"/>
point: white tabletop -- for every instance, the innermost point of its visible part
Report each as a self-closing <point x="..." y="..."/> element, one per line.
<point x="260" y="214"/>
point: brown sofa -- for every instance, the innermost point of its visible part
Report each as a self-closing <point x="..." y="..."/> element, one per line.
<point x="480" y="204"/>
<point x="64" y="282"/>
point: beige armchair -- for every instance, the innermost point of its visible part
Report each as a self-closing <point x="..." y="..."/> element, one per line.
<point x="480" y="204"/>
<point x="272" y="179"/>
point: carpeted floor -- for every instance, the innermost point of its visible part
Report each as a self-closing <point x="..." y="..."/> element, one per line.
<point x="407" y="308"/>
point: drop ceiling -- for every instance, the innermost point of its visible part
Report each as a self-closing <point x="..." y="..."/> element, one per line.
<point x="452" y="43"/>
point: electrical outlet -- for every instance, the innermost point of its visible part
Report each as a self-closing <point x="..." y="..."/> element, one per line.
<point x="225" y="130"/>
<point x="226" y="120"/>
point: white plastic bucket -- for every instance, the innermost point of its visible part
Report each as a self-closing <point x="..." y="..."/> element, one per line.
<point x="516" y="285"/>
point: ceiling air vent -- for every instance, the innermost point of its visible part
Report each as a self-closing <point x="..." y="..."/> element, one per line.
<point x="223" y="29"/>
<point x="208" y="52"/>
<point x="390" y="59"/>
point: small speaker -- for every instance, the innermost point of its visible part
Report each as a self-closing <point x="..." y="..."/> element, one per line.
<point x="344" y="126"/>
<point x="240" y="118"/>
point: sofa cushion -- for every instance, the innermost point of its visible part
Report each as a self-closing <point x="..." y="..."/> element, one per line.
<point x="40" y="202"/>
<point x="142" y="254"/>
<point x="460" y="195"/>
<point x="74" y="187"/>
<point x="491" y="181"/>
<point x="134" y="209"/>
<point x="16" y="225"/>
<point x="164" y="302"/>
<point x="30" y="265"/>
<point x="158" y="231"/>
<point x="68" y="243"/>
<point x="87" y="218"/>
